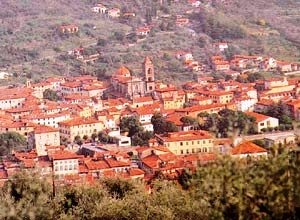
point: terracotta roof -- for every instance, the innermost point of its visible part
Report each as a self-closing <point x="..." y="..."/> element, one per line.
<point x="96" y="165"/>
<point x="136" y="172"/>
<point x="79" y="121"/>
<point x="64" y="155"/>
<point x="258" y="117"/>
<point x="115" y="163"/>
<point x="184" y="136"/>
<point x="247" y="148"/>
<point x="143" y="99"/>
<point x="45" y="129"/>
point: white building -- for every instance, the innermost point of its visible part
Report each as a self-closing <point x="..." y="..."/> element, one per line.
<point x="99" y="8"/>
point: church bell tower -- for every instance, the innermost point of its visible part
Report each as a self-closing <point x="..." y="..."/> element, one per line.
<point x="149" y="75"/>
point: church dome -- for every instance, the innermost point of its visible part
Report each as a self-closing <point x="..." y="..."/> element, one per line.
<point x="123" y="71"/>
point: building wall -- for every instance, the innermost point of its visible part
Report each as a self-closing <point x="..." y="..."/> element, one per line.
<point x="65" y="167"/>
<point x="41" y="140"/>
<point x="71" y="132"/>
<point x="190" y="147"/>
<point x="11" y="103"/>
<point x="268" y="123"/>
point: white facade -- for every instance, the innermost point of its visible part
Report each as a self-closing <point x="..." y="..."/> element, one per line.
<point x="11" y="103"/>
<point x="65" y="167"/>
<point x="246" y="105"/>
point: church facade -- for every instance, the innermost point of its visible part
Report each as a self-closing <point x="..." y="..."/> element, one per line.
<point x="129" y="86"/>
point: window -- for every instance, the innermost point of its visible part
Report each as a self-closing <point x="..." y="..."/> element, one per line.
<point x="181" y="143"/>
<point x="181" y="151"/>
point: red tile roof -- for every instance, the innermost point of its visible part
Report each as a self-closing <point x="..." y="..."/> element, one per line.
<point x="248" y="148"/>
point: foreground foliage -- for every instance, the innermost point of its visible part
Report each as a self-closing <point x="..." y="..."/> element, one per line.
<point x="226" y="189"/>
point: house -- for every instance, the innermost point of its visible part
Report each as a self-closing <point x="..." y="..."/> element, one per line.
<point x="183" y="55"/>
<point x="14" y="98"/>
<point x="263" y="122"/>
<point x="182" y="21"/>
<point x="114" y="12"/>
<point x="200" y="100"/>
<point x="69" y="28"/>
<point x="5" y="75"/>
<point x="194" y="3"/>
<point x="64" y="162"/>
<point x="221" y="46"/>
<point x="248" y="149"/>
<point x="245" y="103"/>
<point x="173" y="102"/>
<point x="99" y="8"/>
<point x="219" y="97"/>
<point x="143" y="31"/>
<point x="263" y="105"/>
<point x="193" y="111"/>
<point x="46" y="119"/>
<point x="294" y="106"/>
<point x="186" y="142"/>
<point x="43" y="136"/>
<point x="142" y="101"/>
<point x="284" y="66"/>
<point x="280" y="140"/>
<point x="77" y="53"/>
<point x="23" y="128"/>
<point x="79" y="127"/>
<point x="220" y="65"/>
<point x="268" y="64"/>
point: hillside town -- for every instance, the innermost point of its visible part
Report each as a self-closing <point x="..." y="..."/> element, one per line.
<point x="80" y="129"/>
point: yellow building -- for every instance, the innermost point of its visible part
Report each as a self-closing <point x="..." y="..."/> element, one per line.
<point x="186" y="142"/>
<point x="43" y="136"/>
<point x="173" y="103"/>
<point x="221" y="97"/>
<point x="23" y="128"/>
<point x="79" y="127"/>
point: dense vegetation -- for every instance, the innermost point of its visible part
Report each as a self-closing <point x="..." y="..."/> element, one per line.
<point x="33" y="48"/>
<point x="10" y="141"/>
<point x="226" y="189"/>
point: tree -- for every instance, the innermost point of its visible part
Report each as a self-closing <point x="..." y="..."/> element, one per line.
<point x="280" y="111"/>
<point x="26" y="196"/>
<point x="78" y="140"/>
<point x="119" y="36"/>
<point x="103" y="137"/>
<point x="160" y="125"/>
<point x="141" y="138"/>
<point x="228" y="123"/>
<point x="51" y="95"/>
<point x="189" y="121"/>
<point x="94" y="137"/>
<point x="101" y="42"/>
<point x="130" y="125"/>
<point x="85" y="137"/>
<point x="11" y="141"/>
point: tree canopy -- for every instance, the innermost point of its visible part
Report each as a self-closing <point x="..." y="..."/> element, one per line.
<point x="11" y="141"/>
<point x="226" y="189"/>
<point x="229" y="123"/>
<point x="160" y="125"/>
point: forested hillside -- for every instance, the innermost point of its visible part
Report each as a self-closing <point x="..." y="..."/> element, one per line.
<point x="32" y="46"/>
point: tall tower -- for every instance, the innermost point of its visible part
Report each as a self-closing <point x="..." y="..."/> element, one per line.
<point x="149" y="75"/>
